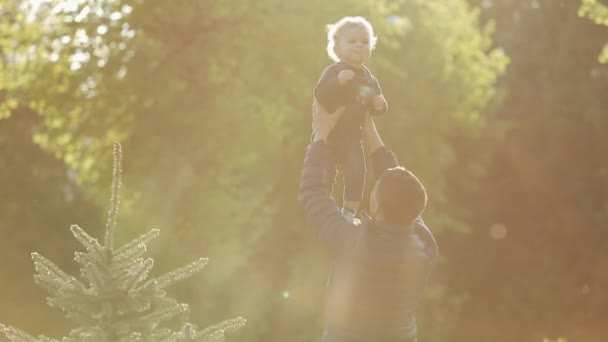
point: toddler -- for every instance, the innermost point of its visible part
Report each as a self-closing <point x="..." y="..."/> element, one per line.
<point x="349" y="83"/>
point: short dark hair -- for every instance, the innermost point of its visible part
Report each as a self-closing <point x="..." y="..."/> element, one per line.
<point x="401" y="196"/>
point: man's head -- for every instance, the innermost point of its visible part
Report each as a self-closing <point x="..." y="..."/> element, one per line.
<point x="398" y="197"/>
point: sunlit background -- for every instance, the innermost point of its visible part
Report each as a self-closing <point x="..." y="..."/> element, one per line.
<point x="499" y="106"/>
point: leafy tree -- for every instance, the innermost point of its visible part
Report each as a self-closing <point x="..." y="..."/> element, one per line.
<point x="597" y="12"/>
<point x="535" y="253"/>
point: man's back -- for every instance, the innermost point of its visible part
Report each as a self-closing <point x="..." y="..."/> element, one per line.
<point x="378" y="275"/>
<point x="375" y="285"/>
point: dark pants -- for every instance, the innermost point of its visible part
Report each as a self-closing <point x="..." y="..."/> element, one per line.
<point x="350" y="160"/>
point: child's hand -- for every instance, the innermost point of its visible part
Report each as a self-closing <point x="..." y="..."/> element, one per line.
<point x="379" y="103"/>
<point x="345" y="76"/>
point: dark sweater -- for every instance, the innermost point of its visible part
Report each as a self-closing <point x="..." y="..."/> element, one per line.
<point x="378" y="272"/>
<point x="356" y="95"/>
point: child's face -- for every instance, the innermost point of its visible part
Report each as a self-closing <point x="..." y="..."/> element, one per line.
<point x="353" y="45"/>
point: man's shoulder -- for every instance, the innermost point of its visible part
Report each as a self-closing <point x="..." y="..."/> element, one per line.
<point x="428" y="240"/>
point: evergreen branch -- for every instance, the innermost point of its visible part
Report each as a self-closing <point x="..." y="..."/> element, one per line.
<point x="122" y="279"/>
<point x="43" y="338"/>
<point x="85" y="260"/>
<point x="42" y="263"/>
<point x="51" y="277"/>
<point x="134" y="302"/>
<point x="126" y="266"/>
<point x="82" y="258"/>
<point x="222" y="327"/>
<point x="85" y="334"/>
<point x="134" y="253"/>
<point x="141" y="274"/>
<point x="188" y="332"/>
<point x="164" y="334"/>
<point x="17" y="335"/>
<point x="151" y="289"/>
<point x="95" y="275"/>
<point x="89" y="242"/>
<point x="115" y="201"/>
<point x="161" y="315"/>
<point x="126" y="251"/>
<point x="96" y="270"/>
<point x="80" y="304"/>
<point x="215" y="336"/>
<point x="181" y="273"/>
<point x="81" y="317"/>
<point x="71" y="303"/>
<point x="134" y="336"/>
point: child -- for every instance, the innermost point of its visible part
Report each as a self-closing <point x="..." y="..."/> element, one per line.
<point x="349" y="83"/>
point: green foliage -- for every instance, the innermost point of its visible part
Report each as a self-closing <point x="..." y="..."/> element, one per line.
<point x="598" y="12"/>
<point x="545" y="188"/>
<point x="438" y="78"/>
<point x="118" y="304"/>
<point x="213" y="98"/>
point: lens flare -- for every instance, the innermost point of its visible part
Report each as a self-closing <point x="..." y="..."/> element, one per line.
<point x="365" y="91"/>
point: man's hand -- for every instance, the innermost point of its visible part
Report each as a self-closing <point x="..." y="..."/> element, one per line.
<point x="322" y="121"/>
<point x="345" y="76"/>
<point x="379" y="103"/>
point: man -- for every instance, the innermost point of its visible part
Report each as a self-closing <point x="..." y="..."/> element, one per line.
<point x="380" y="265"/>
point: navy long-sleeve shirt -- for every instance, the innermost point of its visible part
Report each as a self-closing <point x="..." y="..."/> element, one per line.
<point x="356" y="95"/>
<point x="379" y="270"/>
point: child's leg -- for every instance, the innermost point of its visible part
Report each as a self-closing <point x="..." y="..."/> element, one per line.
<point x="353" y="167"/>
<point x="333" y="171"/>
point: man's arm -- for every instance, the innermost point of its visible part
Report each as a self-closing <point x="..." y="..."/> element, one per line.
<point x="430" y="245"/>
<point x="322" y="212"/>
<point x="382" y="158"/>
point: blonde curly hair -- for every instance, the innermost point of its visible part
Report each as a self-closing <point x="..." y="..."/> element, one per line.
<point x="334" y="30"/>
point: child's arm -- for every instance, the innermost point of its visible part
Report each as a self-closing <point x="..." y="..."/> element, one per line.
<point x="329" y="90"/>
<point x="379" y="105"/>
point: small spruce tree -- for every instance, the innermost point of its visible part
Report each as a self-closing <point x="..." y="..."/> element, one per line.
<point x="112" y="301"/>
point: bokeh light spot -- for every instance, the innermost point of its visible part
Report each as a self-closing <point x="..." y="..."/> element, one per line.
<point x="498" y="231"/>
<point x="392" y="19"/>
